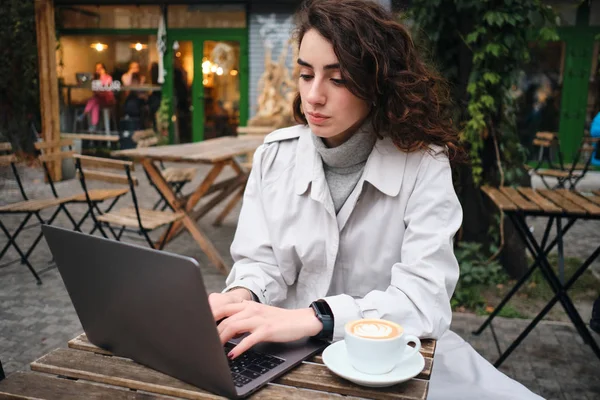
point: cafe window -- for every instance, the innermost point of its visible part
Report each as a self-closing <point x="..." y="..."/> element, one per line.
<point x="206" y="16"/>
<point x="108" y="17"/>
<point x="102" y="78"/>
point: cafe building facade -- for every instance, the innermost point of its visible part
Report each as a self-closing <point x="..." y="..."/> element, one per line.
<point x="196" y="63"/>
<point x="199" y="65"/>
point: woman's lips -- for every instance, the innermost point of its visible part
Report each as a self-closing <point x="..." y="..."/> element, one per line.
<point x="316" y="118"/>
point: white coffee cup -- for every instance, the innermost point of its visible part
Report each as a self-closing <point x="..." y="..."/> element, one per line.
<point x="376" y="346"/>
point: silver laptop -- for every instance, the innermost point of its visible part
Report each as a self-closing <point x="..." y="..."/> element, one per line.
<point x="151" y="306"/>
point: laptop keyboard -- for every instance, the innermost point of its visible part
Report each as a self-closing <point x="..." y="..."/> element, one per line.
<point x="250" y="365"/>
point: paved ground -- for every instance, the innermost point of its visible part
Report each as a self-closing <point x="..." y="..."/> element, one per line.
<point x="552" y="361"/>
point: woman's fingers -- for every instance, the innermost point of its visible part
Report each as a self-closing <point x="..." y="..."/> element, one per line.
<point x="249" y="341"/>
<point x="236" y="328"/>
<point x="228" y="310"/>
<point x="233" y="319"/>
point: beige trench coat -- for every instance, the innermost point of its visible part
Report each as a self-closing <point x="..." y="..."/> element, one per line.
<point x="388" y="253"/>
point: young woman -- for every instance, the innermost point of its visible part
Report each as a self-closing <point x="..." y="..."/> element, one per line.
<point x="354" y="208"/>
<point x="103" y="98"/>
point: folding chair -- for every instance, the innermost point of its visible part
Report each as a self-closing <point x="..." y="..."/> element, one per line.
<point x="569" y="175"/>
<point x="142" y="220"/>
<point x="583" y="160"/>
<point x="28" y="208"/>
<point x="177" y="177"/>
<point x="97" y="196"/>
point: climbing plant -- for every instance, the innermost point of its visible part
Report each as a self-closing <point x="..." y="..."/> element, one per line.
<point x="480" y="46"/>
<point x="19" y="90"/>
<point x="494" y="34"/>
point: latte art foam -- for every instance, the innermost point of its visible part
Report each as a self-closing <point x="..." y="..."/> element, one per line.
<point x="375" y="330"/>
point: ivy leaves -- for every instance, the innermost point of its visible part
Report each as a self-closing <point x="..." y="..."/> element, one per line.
<point x="19" y="94"/>
<point x="497" y="33"/>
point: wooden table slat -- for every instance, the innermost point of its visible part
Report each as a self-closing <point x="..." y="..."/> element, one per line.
<point x="208" y="151"/>
<point x="318" y="377"/>
<point x="81" y="342"/>
<point x="581" y="201"/>
<point x="515" y="196"/>
<point x="596" y="192"/>
<point x="31" y="385"/>
<point x="593" y="198"/>
<point x="115" y="371"/>
<point x="501" y="201"/>
<point x="542" y="202"/>
<point x="122" y="372"/>
<point x="566" y="204"/>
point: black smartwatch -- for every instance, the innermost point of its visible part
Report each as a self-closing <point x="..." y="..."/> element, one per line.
<point x="323" y="314"/>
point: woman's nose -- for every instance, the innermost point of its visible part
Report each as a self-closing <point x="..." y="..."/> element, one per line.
<point x="316" y="95"/>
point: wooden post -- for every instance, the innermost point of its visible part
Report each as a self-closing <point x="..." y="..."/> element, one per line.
<point x="46" y="45"/>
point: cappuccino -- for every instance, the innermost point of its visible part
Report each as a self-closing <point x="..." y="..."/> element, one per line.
<point x="376" y="346"/>
<point x="375" y="329"/>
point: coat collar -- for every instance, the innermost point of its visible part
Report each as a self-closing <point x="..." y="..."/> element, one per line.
<point x="384" y="168"/>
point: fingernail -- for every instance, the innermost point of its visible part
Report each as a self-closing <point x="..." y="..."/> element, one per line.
<point x="230" y="355"/>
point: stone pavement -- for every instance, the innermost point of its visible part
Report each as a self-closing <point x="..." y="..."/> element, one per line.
<point x="34" y="320"/>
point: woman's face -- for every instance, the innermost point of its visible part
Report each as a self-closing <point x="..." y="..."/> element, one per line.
<point x="332" y="111"/>
<point x="134" y="68"/>
<point x="100" y="69"/>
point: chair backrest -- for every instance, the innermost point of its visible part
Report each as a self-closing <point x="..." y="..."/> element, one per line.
<point x="548" y="144"/>
<point x="94" y="168"/>
<point x="584" y="154"/>
<point x="7" y="157"/>
<point x="145" y="138"/>
<point x="46" y="156"/>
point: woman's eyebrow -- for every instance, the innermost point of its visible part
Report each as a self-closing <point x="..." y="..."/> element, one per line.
<point x="328" y="66"/>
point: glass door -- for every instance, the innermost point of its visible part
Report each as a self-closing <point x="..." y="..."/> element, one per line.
<point x="210" y="83"/>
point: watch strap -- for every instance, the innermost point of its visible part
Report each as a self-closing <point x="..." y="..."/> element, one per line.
<point x="325" y="315"/>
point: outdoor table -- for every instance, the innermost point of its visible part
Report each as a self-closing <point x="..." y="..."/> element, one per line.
<point x="86" y="371"/>
<point x="556" y="204"/>
<point x="219" y="153"/>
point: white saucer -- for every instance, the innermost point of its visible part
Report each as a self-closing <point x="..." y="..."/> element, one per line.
<point x="336" y="359"/>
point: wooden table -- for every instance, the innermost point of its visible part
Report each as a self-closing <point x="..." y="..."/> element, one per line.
<point x="84" y="371"/>
<point x="556" y="204"/>
<point x="219" y="153"/>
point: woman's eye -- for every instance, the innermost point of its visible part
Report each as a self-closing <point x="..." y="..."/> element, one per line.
<point x="306" y="77"/>
<point x="338" y="82"/>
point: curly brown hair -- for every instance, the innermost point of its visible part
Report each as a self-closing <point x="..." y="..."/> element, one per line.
<point x="381" y="65"/>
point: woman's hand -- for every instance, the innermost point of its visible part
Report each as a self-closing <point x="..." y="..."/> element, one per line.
<point x="218" y="300"/>
<point x="265" y="324"/>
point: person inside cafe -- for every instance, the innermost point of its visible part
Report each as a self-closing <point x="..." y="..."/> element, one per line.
<point x="127" y="77"/>
<point x="355" y="206"/>
<point x="135" y="104"/>
<point x="104" y="97"/>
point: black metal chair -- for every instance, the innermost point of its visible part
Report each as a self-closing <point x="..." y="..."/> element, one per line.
<point x="28" y="208"/>
<point x="97" y="196"/>
<point x="2" y="375"/>
<point x="142" y="221"/>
